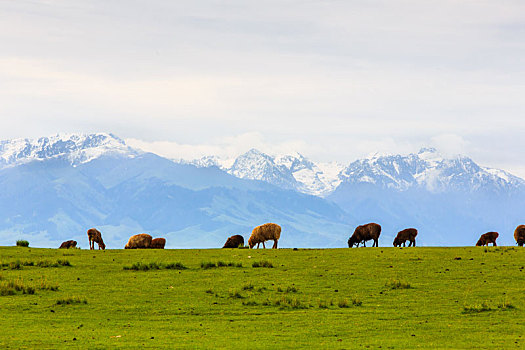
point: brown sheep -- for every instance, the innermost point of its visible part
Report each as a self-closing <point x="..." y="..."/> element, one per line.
<point x="234" y="241"/>
<point x="140" y="241"/>
<point x="94" y="235"/>
<point x="158" y="243"/>
<point x="264" y="233"/>
<point x="68" y="244"/>
<point x="519" y="235"/>
<point x="408" y="234"/>
<point x="365" y="233"/>
<point x="486" y="238"/>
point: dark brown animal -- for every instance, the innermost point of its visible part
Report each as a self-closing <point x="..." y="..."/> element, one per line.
<point x="365" y="233"/>
<point x="486" y="238"/>
<point x="158" y="243"/>
<point x="234" y="242"/>
<point x="408" y="234"/>
<point x="68" y="244"/>
<point x="94" y="235"/>
<point x="264" y="233"/>
<point x="140" y="241"/>
<point x="519" y="235"/>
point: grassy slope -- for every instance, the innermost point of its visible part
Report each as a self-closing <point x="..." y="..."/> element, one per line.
<point x="193" y="308"/>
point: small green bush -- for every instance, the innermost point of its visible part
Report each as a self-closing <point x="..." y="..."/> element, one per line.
<point x="22" y="243"/>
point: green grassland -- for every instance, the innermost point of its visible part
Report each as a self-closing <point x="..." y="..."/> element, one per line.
<point x="388" y="298"/>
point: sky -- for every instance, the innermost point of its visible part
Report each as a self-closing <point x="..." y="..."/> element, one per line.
<point x="333" y="80"/>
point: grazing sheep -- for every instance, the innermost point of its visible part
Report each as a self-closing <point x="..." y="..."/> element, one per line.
<point x="519" y="235"/>
<point x="486" y="238"/>
<point x="68" y="244"/>
<point x="157" y="243"/>
<point x="94" y="235"/>
<point x="408" y="234"/>
<point x="140" y="241"/>
<point x="234" y="242"/>
<point x="365" y="233"/>
<point x="264" y="233"/>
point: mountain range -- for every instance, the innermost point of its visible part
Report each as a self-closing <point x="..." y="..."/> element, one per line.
<point x="55" y="188"/>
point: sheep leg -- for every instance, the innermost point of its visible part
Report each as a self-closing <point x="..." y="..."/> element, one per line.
<point x="414" y="243"/>
<point x="274" y="244"/>
<point x="364" y="244"/>
<point x="258" y="245"/>
<point x="264" y="245"/>
<point x="494" y="244"/>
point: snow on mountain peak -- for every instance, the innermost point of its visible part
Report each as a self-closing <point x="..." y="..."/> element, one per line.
<point x="77" y="148"/>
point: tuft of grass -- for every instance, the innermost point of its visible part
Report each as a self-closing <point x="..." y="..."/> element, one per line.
<point x="44" y="285"/>
<point x="236" y="295"/>
<point x="209" y="291"/>
<point x="22" y="243"/>
<point x="71" y="301"/>
<point x="174" y="266"/>
<point x="248" y="286"/>
<point x="343" y="303"/>
<point x="291" y="289"/>
<point x="208" y="265"/>
<point x="58" y="263"/>
<point x="477" y="308"/>
<point x="140" y="266"/>
<point x="211" y="265"/>
<point x="250" y="303"/>
<point x="15" y="287"/>
<point x="505" y="305"/>
<point x="322" y="304"/>
<point x="397" y="284"/>
<point x="264" y="263"/>
<point x="286" y="302"/>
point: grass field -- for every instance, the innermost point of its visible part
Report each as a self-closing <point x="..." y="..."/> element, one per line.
<point x="331" y="298"/>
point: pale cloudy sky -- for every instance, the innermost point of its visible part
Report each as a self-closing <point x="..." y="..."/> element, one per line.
<point x="334" y="80"/>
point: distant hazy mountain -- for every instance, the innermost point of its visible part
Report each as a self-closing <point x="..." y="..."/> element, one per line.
<point x="451" y="200"/>
<point x="55" y="188"/>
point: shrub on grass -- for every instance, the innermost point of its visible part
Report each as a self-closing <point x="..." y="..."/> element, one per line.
<point x="398" y="284"/>
<point x="71" y="301"/>
<point x="263" y="263"/>
<point x="22" y="243"/>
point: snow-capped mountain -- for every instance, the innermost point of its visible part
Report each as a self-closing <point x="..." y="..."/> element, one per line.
<point x="292" y="171"/>
<point x="76" y="148"/>
<point x="428" y="170"/>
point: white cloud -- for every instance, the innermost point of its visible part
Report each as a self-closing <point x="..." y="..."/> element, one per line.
<point x="330" y="79"/>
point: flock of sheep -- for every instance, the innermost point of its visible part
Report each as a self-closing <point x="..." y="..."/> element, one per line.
<point x="272" y="232"/>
